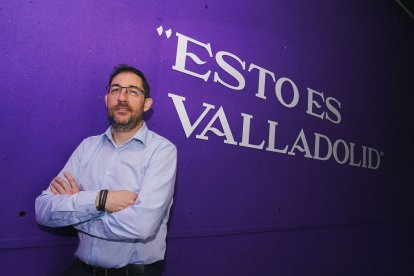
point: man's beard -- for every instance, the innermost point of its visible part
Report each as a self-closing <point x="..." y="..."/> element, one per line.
<point x="127" y="125"/>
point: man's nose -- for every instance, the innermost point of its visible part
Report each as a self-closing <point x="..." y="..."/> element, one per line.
<point x="123" y="97"/>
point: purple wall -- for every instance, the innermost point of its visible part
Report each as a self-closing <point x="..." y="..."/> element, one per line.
<point x="238" y="210"/>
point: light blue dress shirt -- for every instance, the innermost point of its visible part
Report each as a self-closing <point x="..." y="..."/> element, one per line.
<point x="145" y="165"/>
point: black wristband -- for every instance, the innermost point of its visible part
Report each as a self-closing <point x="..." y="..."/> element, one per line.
<point x="105" y="195"/>
<point x="98" y="207"/>
<point x="102" y="200"/>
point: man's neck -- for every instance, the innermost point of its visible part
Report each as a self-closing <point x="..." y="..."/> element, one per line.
<point x="121" y="136"/>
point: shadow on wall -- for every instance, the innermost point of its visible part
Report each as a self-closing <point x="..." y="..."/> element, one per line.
<point x="68" y="231"/>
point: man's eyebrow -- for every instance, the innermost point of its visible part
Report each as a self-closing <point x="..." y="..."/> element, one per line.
<point x="134" y="86"/>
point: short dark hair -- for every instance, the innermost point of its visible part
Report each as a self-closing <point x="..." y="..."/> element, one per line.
<point x="120" y="68"/>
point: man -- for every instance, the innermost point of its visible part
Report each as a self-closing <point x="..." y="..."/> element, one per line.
<point x="117" y="188"/>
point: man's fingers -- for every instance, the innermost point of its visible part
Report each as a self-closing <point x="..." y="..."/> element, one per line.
<point x="72" y="181"/>
<point x="58" y="186"/>
<point x="62" y="182"/>
<point x="54" y="191"/>
<point x="130" y="199"/>
<point x="133" y="198"/>
<point x="119" y="200"/>
<point x="63" y="187"/>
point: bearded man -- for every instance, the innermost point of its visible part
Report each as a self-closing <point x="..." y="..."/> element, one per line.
<point x="116" y="188"/>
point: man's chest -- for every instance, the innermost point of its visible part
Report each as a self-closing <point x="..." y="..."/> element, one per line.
<point x="107" y="167"/>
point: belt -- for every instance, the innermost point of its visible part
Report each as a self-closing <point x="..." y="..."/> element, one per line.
<point x="130" y="269"/>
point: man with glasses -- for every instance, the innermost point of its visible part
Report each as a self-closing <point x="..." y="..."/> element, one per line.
<point x="117" y="188"/>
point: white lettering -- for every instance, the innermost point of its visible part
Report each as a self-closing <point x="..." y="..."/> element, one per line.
<point x="246" y="133"/>
<point x="352" y="161"/>
<point x="272" y="139"/>
<point x="370" y="158"/>
<point x="341" y="151"/>
<point x="221" y="116"/>
<point x="312" y="103"/>
<point x="328" y="154"/>
<point x="262" y="79"/>
<point x="182" y="113"/>
<point x="229" y="69"/>
<point x="278" y="90"/>
<point x="305" y="148"/>
<point x="335" y="151"/>
<point x="182" y="54"/>
<point x="334" y="110"/>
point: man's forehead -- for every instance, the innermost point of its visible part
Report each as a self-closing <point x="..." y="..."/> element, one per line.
<point x="127" y="77"/>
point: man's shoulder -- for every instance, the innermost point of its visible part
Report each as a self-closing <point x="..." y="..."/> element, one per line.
<point x="155" y="139"/>
<point x="93" y="139"/>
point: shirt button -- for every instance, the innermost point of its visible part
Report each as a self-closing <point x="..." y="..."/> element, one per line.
<point x="107" y="172"/>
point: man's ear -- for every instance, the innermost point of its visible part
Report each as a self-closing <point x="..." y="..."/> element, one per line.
<point x="147" y="104"/>
<point x="106" y="100"/>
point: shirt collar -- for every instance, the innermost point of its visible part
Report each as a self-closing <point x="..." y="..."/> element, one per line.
<point x="140" y="135"/>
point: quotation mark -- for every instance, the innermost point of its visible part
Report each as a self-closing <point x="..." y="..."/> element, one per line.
<point x="160" y="30"/>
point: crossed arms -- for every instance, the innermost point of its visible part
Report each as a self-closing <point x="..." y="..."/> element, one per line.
<point x="116" y="201"/>
<point x="127" y="216"/>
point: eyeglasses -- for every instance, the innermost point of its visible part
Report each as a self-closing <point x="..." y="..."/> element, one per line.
<point x="133" y="91"/>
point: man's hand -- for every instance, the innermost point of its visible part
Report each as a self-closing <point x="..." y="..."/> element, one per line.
<point x="66" y="186"/>
<point x="119" y="200"/>
<point x="115" y="202"/>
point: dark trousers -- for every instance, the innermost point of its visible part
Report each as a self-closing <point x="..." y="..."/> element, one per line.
<point x="78" y="268"/>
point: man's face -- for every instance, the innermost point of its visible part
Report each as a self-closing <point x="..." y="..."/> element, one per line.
<point x="125" y="111"/>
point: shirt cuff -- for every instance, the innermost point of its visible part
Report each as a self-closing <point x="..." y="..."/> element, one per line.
<point x="86" y="201"/>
